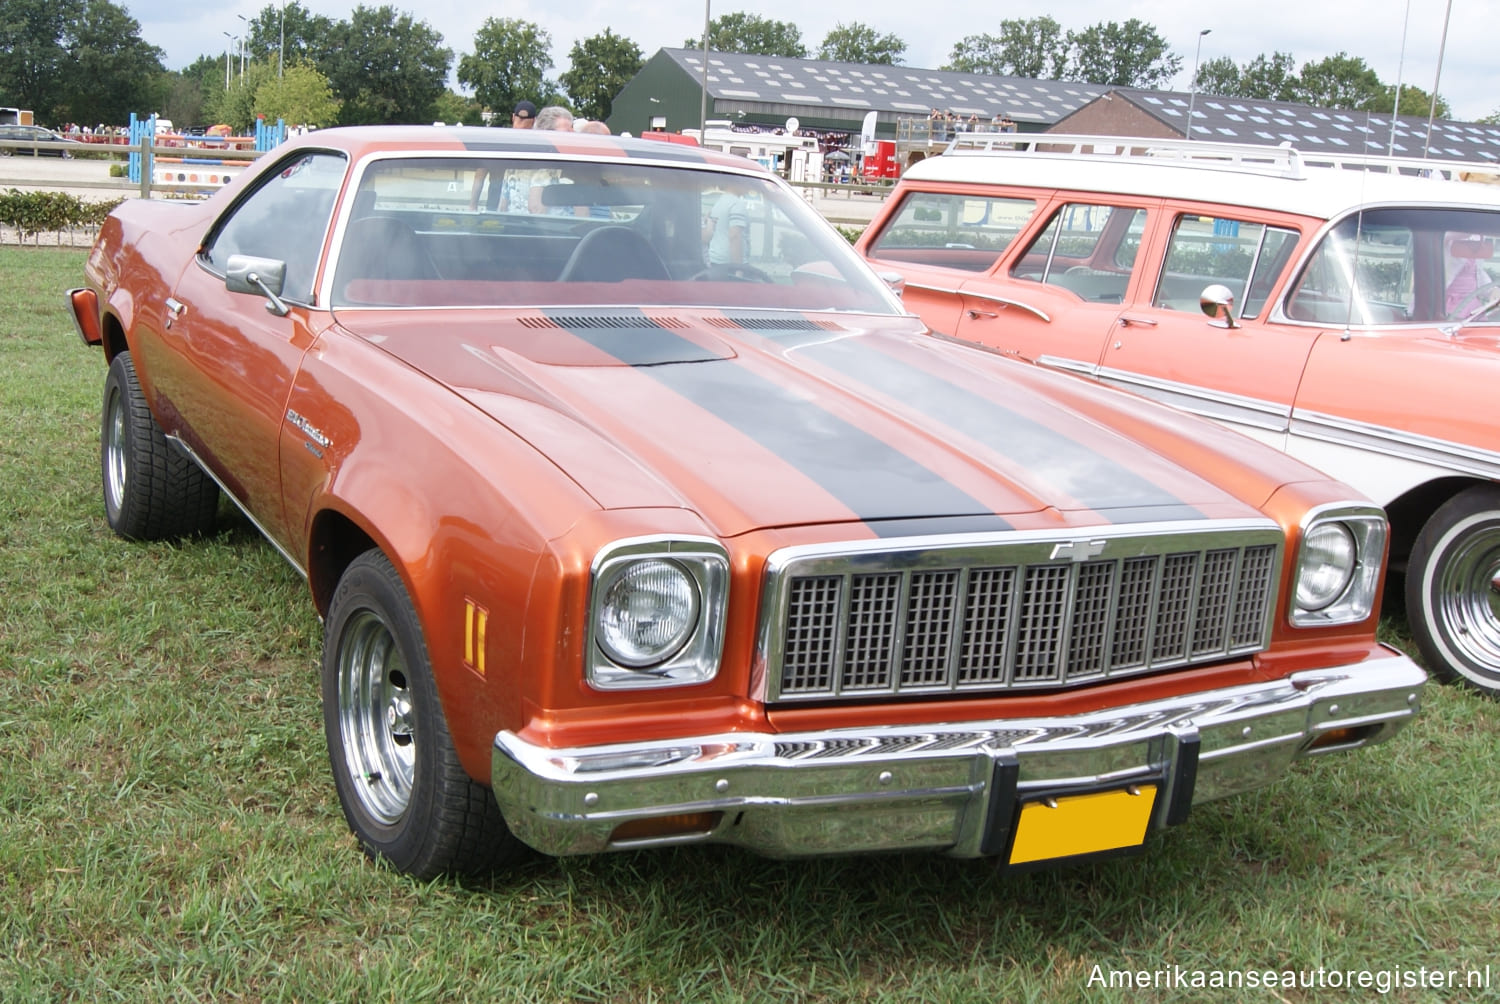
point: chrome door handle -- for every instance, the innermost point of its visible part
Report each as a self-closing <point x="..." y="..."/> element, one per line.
<point x="1141" y="322"/>
<point x="974" y="314"/>
<point x="175" y="309"/>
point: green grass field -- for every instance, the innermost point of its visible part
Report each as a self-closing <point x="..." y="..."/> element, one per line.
<point x="169" y="831"/>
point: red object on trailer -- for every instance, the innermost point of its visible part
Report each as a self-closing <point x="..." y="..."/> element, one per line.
<point x="882" y="162"/>
<point x="670" y="137"/>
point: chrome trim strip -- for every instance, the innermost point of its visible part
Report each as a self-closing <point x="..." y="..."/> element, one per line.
<point x="188" y="452"/>
<point x="926" y="786"/>
<point x="1007" y="302"/>
<point x="1219" y="405"/>
<point x="1078" y="367"/>
<point x="1396" y="443"/>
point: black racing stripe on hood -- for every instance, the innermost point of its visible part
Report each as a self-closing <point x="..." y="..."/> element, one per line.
<point x="875" y="481"/>
<point x="1096" y="481"/>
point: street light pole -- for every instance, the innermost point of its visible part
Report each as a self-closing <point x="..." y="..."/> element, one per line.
<point x="281" y="45"/>
<point x="1193" y="83"/>
<point x="1432" y="109"/>
<point x="227" y="50"/>
<point x="244" y="43"/>
<point x="703" y="98"/>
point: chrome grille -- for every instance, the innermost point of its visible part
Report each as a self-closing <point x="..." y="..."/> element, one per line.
<point x="1009" y="613"/>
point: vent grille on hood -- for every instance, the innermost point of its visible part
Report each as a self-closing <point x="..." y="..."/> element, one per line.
<point x="602" y="321"/>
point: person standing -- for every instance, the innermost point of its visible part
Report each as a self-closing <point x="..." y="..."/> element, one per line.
<point x="523" y="116"/>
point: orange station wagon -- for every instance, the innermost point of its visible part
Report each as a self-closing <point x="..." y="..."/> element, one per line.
<point x="630" y="531"/>
<point x="1353" y="318"/>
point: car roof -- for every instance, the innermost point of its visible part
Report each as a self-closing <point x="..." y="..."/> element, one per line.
<point x="1268" y="178"/>
<point x="362" y="141"/>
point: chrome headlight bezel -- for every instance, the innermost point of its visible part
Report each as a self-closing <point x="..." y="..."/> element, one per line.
<point x="1367" y="530"/>
<point x="695" y="657"/>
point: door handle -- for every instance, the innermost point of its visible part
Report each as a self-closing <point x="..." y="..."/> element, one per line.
<point x="1140" y="322"/>
<point x="976" y="314"/>
<point x="175" y="309"/>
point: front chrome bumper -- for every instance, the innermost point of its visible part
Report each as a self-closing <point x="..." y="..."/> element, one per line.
<point x="952" y="787"/>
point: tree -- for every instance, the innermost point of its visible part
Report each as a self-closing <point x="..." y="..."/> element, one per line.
<point x="190" y="91"/>
<point x="113" y="72"/>
<point x="385" y="67"/>
<point x="1414" y="101"/>
<point x="859" y="43"/>
<point x="509" y="63"/>
<point x="453" y="108"/>
<point x="300" y="95"/>
<point x="1035" y="48"/>
<point x="753" y="35"/>
<point x="601" y="67"/>
<point x="1218" y="76"/>
<point x="976" y="54"/>
<point x="1339" y="81"/>
<point x="1132" y="54"/>
<point x="33" y="58"/>
<point x="307" y="34"/>
<point x="235" y="107"/>
<point x="1269" y="79"/>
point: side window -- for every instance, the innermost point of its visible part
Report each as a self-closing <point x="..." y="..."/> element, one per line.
<point x="1088" y="249"/>
<point x="286" y="218"/>
<point x="967" y="232"/>
<point x="1204" y="250"/>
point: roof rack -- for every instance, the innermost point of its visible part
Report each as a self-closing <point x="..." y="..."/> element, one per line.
<point x="1284" y="160"/>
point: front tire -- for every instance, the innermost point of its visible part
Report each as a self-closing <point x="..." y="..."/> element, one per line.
<point x="404" y="793"/>
<point x="1453" y="590"/>
<point x="152" y="491"/>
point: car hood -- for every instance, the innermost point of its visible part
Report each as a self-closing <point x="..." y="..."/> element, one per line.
<point x="771" y="418"/>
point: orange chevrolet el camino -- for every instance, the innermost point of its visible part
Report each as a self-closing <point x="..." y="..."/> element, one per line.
<point x="639" y="512"/>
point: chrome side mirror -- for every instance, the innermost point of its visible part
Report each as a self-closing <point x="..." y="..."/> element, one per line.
<point x="1217" y="302"/>
<point x="896" y="281"/>
<point x="259" y="276"/>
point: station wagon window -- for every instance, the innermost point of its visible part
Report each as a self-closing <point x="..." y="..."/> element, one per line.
<point x="1088" y="249"/>
<point x="966" y="232"/>
<point x="1394" y="266"/>
<point x="1245" y="256"/>
<point x="285" y="218"/>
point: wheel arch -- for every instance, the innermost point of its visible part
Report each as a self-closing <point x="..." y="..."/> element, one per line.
<point x="1411" y="510"/>
<point x="333" y="543"/>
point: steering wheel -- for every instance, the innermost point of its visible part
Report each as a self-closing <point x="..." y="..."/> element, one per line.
<point x="1483" y="300"/>
<point x="736" y="272"/>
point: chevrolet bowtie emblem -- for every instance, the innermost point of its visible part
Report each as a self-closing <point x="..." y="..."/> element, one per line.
<point x="1077" y="550"/>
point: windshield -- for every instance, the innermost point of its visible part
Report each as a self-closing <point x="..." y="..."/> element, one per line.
<point x="476" y="231"/>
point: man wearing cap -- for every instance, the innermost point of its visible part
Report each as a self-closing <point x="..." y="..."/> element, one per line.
<point x="523" y="117"/>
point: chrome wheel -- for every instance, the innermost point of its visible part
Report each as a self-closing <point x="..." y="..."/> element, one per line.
<point x="1453" y="589"/>
<point x="116" y="445"/>
<point x="1467" y="595"/>
<point x="376" y="718"/>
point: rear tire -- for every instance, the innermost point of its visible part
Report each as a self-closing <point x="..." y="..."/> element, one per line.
<point x="404" y="793"/>
<point x="152" y="491"/>
<point x="1453" y="590"/>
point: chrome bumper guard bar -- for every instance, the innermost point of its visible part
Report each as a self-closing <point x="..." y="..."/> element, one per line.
<point x="951" y="787"/>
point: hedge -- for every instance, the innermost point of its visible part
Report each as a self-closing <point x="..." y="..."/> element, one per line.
<point x="32" y="213"/>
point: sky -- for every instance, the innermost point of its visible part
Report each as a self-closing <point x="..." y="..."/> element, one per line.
<point x="1371" y="29"/>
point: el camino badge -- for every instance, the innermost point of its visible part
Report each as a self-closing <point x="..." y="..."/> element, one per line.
<point x="308" y="429"/>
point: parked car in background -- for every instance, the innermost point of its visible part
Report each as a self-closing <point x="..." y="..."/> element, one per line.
<point x="11" y="136"/>
<point x="1353" y="318"/>
<point x="620" y="545"/>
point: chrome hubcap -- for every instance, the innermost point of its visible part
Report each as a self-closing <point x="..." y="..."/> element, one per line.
<point x="1469" y="592"/>
<point x="375" y="718"/>
<point x="114" y="452"/>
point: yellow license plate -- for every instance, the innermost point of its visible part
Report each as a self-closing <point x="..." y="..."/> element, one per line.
<point x="1083" y="824"/>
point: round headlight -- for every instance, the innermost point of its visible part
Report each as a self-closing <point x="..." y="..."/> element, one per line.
<point x="647" y="611"/>
<point x="1329" y="556"/>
